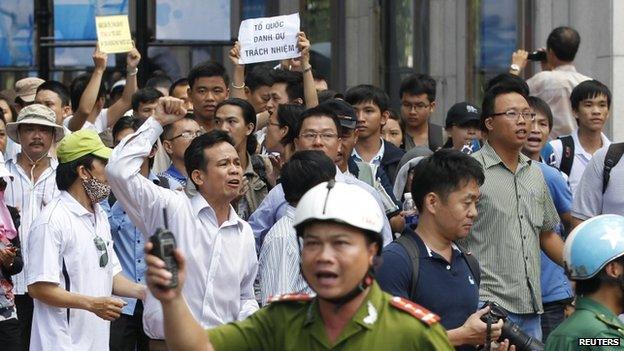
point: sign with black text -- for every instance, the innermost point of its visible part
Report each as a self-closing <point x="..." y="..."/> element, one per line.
<point x="268" y="38"/>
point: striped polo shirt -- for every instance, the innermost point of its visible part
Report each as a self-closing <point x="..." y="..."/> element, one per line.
<point x="514" y="209"/>
<point x="30" y="199"/>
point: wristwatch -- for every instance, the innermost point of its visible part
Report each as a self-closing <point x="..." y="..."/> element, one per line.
<point x="514" y="68"/>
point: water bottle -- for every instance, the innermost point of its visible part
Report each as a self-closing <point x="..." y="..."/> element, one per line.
<point x="409" y="211"/>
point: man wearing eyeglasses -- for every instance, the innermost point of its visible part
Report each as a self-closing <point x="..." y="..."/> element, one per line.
<point x="516" y="213"/>
<point x="418" y="93"/>
<point x="176" y="137"/>
<point x="318" y="130"/>
<point x="73" y="268"/>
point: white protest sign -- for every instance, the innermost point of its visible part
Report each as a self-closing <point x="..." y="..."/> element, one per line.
<point x="268" y="38"/>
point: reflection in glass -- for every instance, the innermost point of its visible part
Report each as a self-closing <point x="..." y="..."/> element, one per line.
<point x="16" y="33"/>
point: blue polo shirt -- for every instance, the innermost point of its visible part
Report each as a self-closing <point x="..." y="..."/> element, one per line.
<point x="555" y="284"/>
<point x="447" y="289"/>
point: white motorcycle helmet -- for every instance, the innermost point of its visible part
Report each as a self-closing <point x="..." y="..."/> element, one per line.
<point x="341" y="203"/>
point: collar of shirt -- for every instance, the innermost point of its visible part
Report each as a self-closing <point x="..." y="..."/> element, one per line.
<point x="586" y="303"/>
<point x="172" y="171"/>
<point x="578" y="148"/>
<point x="12" y="164"/>
<point x="290" y="212"/>
<point x="199" y="204"/>
<point x="566" y="68"/>
<point x="491" y="158"/>
<point x="376" y="159"/>
<point x="75" y="207"/>
<point x="365" y="317"/>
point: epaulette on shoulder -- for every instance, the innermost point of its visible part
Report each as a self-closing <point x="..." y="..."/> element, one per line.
<point x="290" y="298"/>
<point x="414" y="309"/>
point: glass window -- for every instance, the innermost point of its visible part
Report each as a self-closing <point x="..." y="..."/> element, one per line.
<point x="496" y="29"/>
<point x="406" y="42"/>
<point x="316" y="21"/>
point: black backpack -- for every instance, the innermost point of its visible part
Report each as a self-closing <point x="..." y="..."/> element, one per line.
<point x="613" y="156"/>
<point x="409" y="244"/>
<point x="567" y="154"/>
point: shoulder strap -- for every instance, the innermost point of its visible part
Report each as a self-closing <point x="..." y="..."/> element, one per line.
<point x="415" y="310"/>
<point x="290" y="298"/>
<point x="473" y="264"/>
<point x="409" y="244"/>
<point x="257" y="162"/>
<point x="614" y="154"/>
<point x="67" y="284"/>
<point x="567" y="154"/>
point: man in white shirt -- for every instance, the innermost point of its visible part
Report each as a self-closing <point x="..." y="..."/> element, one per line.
<point x="590" y="101"/>
<point x="33" y="186"/>
<point x="88" y="95"/>
<point x="224" y="264"/>
<point x="279" y="258"/>
<point x="73" y="269"/>
<point x="557" y="78"/>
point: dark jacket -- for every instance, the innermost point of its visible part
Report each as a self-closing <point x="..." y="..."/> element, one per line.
<point x="383" y="178"/>
<point x="390" y="160"/>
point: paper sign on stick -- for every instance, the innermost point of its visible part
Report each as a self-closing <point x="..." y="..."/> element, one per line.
<point x="113" y="34"/>
<point x="269" y="38"/>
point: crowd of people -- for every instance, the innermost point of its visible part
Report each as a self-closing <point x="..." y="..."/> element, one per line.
<point x="307" y="218"/>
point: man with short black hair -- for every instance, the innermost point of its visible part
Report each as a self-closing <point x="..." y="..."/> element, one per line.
<point x="180" y="90"/>
<point x="88" y="95"/>
<point x="514" y="221"/>
<point x="205" y="225"/>
<point x="175" y="139"/>
<point x="208" y="87"/>
<point x="590" y="101"/>
<point x="55" y="95"/>
<point x="144" y="102"/>
<point x="445" y="189"/>
<point x="318" y="130"/>
<point x="279" y="257"/>
<point x="258" y="83"/>
<point x="418" y="94"/>
<point x="371" y="106"/>
<point x="558" y="77"/>
<point x="73" y="270"/>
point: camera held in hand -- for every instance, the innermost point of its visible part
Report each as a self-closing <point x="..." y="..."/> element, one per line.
<point x="511" y="330"/>
<point x="538" y="55"/>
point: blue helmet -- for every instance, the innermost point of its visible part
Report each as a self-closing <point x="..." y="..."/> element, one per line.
<point x="592" y="245"/>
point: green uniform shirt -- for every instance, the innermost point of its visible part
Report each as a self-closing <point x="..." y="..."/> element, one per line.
<point x="590" y="320"/>
<point x="297" y="325"/>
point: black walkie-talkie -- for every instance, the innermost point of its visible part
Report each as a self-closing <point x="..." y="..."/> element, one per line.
<point x="164" y="243"/>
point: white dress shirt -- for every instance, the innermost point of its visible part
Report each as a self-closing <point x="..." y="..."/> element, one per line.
<point x="580" y="160"/>
<point x="221" y="259"/>
<point x="64" y="232"/>
<point x="555" y="87"/>
<point x="280" y="260"/>
<point x="30" y="199"/>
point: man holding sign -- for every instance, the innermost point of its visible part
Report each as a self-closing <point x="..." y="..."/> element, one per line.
<point x="267" y="39"/>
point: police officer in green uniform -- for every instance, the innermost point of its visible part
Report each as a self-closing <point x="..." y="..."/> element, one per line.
<point x="594" y="258"/>
<point x="340" y="226"/>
